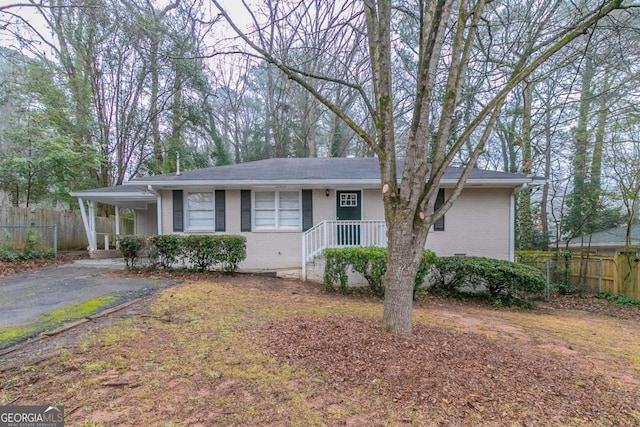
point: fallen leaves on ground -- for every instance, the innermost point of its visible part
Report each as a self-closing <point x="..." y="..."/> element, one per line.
<point x="593" y="304"/>
<point x="455" y="376"/>
<point x="251" y="350"/>
<point x="8" y="268"/>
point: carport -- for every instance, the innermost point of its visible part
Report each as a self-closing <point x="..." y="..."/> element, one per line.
<point x="143" y="202"/>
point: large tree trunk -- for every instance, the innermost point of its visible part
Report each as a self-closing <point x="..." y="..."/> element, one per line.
<point x="524" y="216"/>
<point x="598" y="146"/>
<point x="407" y="244"/>
<point x="409" y="202"/>
<point x="578" y="209"/>
<point x="544" y="203"/>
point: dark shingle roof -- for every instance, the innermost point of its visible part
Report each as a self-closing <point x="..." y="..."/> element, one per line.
<point x="613" y="236"/>
<point x="302" y="169"/>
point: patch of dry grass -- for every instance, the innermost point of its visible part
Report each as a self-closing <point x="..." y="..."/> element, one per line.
<point x="199" y="358"/>
<point x="616" y="338"/>
<point x="198" y="346"/>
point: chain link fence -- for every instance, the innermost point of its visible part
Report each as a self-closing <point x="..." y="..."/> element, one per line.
<point x="570" y="275"/>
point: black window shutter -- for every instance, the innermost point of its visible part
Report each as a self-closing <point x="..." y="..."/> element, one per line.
<point x="178" y="212"/>
<point x="245" y="210"/>
<point x="307" y="209"/>
<point x="220" y="210"/>
<point x="439" y="224"/>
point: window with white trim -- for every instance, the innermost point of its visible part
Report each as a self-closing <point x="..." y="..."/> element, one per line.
<point x="200" y="211"/>
<point x="279" y="210"/>
<point x="348" y="200"/>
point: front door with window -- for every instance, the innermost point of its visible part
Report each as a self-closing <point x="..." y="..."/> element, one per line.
<point x="348" y="208"/>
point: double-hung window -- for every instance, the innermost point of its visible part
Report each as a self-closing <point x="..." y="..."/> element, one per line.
<point x="200" y="211"/>
<point x="279" y="210"/>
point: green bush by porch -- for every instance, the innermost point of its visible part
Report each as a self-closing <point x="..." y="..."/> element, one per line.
<point x="371" y="262"/>
<point x="202" y="252"/>
<point x="503" y="282"/>
<point x="131" y="249"/>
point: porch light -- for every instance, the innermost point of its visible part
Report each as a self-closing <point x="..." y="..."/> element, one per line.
<point x="327" y="192"/>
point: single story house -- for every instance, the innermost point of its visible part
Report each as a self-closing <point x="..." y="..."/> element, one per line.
<point x="610" y="241"/>
<point x="290" y="209"/>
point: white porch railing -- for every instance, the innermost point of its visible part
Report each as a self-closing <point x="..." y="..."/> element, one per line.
<point x="339" y="234"/>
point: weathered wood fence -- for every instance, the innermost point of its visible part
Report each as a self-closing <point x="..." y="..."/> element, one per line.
<point x="618" y="274"/>
<point x="14" y="223"/>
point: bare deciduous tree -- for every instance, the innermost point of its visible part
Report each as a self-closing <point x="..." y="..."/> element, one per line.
<point x="447" y="52"/>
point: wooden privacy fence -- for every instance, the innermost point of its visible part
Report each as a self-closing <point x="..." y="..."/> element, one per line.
<point x="627" y="276"/>
<point x="618" y="274"/>
<point x="14" y="223"/>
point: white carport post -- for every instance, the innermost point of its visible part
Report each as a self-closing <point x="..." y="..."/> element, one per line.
<point x="92" y="222"/>
<point x="89" y="223"/>
<point x="117" y="238"/>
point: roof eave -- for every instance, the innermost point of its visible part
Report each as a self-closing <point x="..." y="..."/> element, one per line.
<point x="493" y="183"/>
<point x="313" y="183"/>
<point x="130" y="200"/>
<point x="115" y="195"/>
<point x="602" y="245"/>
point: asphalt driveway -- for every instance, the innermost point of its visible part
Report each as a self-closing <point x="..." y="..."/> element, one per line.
<point x="25" y="296"/>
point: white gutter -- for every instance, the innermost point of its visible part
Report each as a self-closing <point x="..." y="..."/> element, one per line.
<point x="158" y="207"/>
<point x="98" y="194"/>
<point x="315" y="183"/>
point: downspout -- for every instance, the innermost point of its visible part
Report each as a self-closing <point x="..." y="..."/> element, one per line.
<point x="158" y="208"/>
<point x="512" y="220"/>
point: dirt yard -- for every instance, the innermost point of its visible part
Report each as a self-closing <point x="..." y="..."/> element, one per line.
<point x="251" y="350"/>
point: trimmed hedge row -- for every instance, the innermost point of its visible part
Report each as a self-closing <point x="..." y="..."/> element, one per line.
<point x="202" y="252"/>
<point x="371" y="262"/>
<point x="503" y="281"/>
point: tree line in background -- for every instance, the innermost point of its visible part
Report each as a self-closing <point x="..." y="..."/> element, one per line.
<point x="94" y="92"/>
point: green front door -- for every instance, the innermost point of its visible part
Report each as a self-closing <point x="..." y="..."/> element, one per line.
<point x="349" y="208"/>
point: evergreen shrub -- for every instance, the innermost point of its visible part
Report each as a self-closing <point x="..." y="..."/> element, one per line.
<point x="131" y="249"/>
<point x="369" y="261"/>
<point x="202" y="252"/>
<point x="166" y="250"/>
<point x="502" y="281"/>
